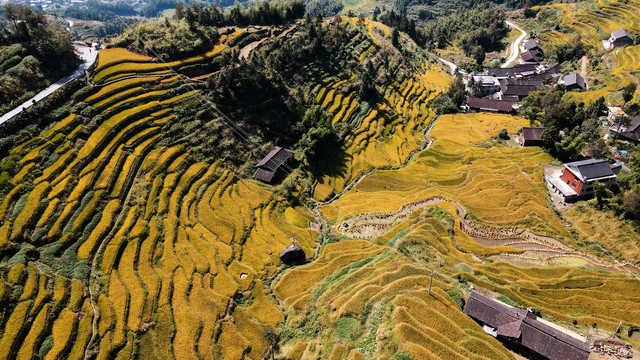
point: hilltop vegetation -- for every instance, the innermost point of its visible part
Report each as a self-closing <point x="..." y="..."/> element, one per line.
<point x="33" y="53"/>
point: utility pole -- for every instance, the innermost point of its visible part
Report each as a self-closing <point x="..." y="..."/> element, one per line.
<point x="618" y="329"/>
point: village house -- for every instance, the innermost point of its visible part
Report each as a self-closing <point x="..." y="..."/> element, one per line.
<point x="523" y="331"/>
<point x="574" y="81"/>
<point x="532" y="57"/>
<point x="267" y="168"/>
<point x="616" y="115"/>
<point x="620" y="38"/>
<point x="499" y="73"/>
<point x="533" y="45"/>
<point x="486" y="85"/>
<point x="512" y="90"/>
<point x="575" y="181"/>
<point x="477" y="104"/>
<point x="531" y="136"/>
<point x="632" y="131"/>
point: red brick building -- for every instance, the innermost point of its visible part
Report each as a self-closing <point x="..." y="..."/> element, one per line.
<point x="577" y="178"/>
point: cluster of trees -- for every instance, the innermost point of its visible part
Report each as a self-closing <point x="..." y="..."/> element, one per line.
<point x="325" y="7"/>
<point x="481" y="27"/>
<point x="404" y="24"/>
<point x="153" y="8"/>
<point x="168" y="39"/>
<point x="98" y="10"/>
<point x="37" y="52"/>
<point x="263" y="13"/>
<point x="571" y="127"/>
<point x="570" y="51"/>
<point x="476" y="31"/>
<point x="428" y="10"/>
<point x="272" y="101"/>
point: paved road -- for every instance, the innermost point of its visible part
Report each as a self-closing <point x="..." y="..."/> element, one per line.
<point x="88" y="56"/>
<point x="513" y="48"/>
<point x="452" y="66"/>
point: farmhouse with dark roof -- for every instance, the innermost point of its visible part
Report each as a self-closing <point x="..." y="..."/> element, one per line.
<point x="632" y="132"/>
<point x="574" y="81"/>
<point x="490" y="105"/>
<point x="267" y="168"/>
<point x="531" y="136"/>
<point x="532" y="44"/>
<point x="620" y="38"/>
<point x="531" y="335"/>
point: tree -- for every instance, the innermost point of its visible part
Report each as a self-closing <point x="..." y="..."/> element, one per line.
<point x="602" y="194"/>
<point x="549" y="138"/>
<point x="570" y="146"/>
<point x="394" y="38"/>
<point x="631" y="204"/>
<point x="457" y="91"/>
<point x="629" y="91"/>
<point x="478" y="54"/>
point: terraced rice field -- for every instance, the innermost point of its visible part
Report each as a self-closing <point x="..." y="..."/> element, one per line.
<point x="168" y="242"/>
<point x="462" y="198"/>
<point x="594" y="21"/>
<point x="385" y="134"/>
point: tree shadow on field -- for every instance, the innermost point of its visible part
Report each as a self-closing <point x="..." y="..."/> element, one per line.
<point x="332" y="164"/>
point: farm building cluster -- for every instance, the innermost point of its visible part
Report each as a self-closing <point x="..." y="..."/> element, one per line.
<point x="523" y="331"/>
<point x="507" y="87"/>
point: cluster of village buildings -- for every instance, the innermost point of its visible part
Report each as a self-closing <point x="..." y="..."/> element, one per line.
<point x="502" y="89"/>
<point x="506" y="87"/>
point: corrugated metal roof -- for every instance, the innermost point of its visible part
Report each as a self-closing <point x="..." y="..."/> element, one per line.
<point x="276" y="157"/>
<point x="532" y="133"/>
<point x="620" y="33"/>
<point x="264" y="175"/>
<point x="532" y="44"/>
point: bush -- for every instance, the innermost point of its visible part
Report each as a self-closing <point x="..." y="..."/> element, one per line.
<point x="507" y="301"/>
<point x="346" y="328"/>
<point x="504" y="135"/>
<point x="457" y="297"/>
<point x="442" y="104"/>
<point x="47" y="345"/>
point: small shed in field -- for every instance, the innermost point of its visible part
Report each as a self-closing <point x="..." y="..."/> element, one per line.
<point x="267" y="168"/>
<point x="531" y="136"/>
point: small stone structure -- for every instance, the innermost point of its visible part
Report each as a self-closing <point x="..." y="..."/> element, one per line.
<point x="292" y="254"/>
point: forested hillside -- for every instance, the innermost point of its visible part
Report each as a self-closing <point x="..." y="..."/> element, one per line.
<point x="33" y="53"/>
